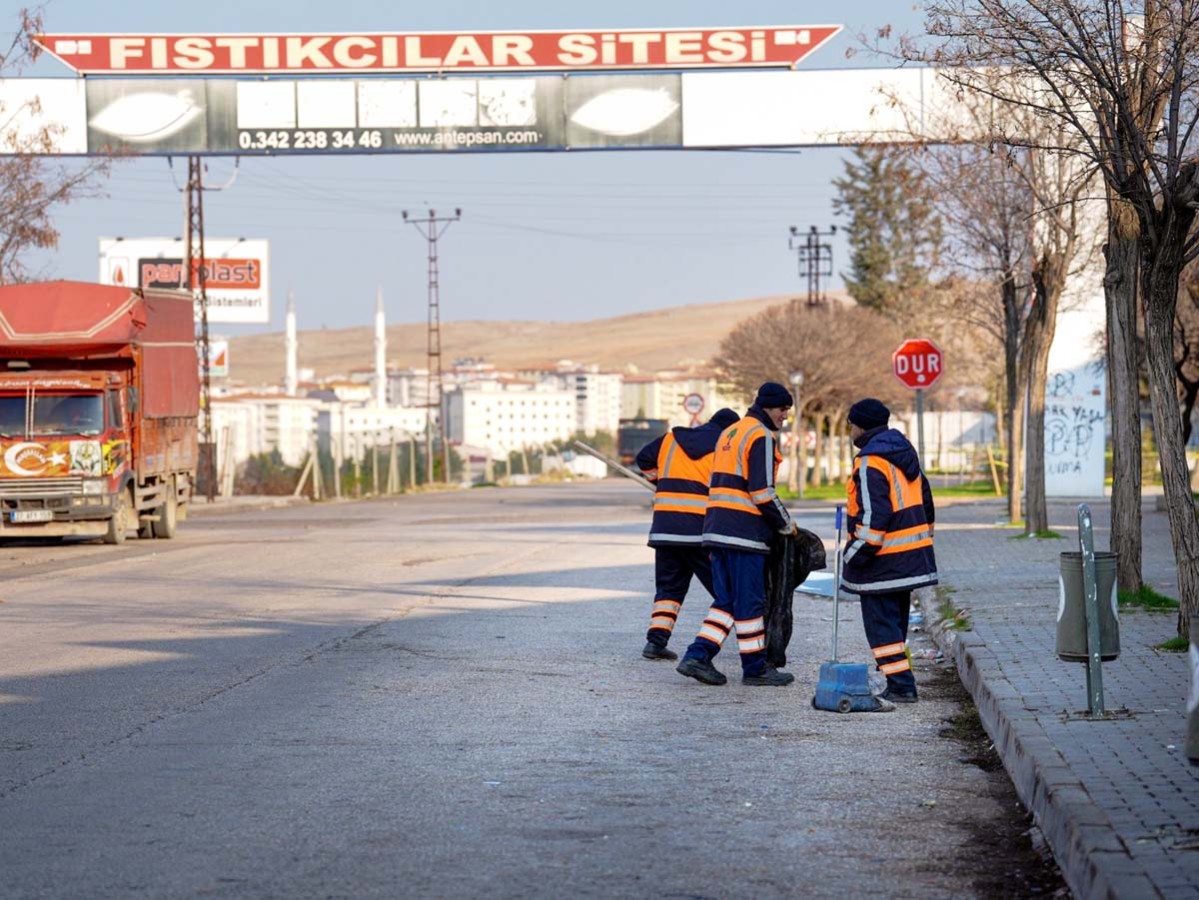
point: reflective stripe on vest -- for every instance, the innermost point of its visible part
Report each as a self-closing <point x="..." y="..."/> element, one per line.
<point x="904" y="493"/>
<point x="682" y="481"/>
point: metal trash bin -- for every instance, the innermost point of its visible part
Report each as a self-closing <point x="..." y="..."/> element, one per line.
<point x="1072" y="614"/>
<point x="1193" y="705"/>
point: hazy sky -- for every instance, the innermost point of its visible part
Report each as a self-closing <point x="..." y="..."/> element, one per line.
<point x="543" y="235"/>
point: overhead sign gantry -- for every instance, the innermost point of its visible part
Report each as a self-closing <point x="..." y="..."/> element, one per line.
<point x="441" y="51"/>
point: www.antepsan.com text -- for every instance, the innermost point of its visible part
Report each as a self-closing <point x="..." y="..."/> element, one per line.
<point x="376" y="139"/>
<point x="465" y="138"/>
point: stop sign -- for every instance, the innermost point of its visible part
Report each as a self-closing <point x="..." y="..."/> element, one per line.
<point x="917" y="363"/>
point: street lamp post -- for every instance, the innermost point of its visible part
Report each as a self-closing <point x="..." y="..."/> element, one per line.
<point x="796" y="483"/>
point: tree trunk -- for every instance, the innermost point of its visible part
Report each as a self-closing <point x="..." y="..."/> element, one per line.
<point x="847" y="450"/>
<point x="1012" y="411"/>
<point x="1120" y="287"/>
<point x="837" y="452"/>
<point x="1049" y="282"/>
<point x="1015" y="460"/>
<point x="1036" y="516"/>
<point x="801" y="454"/>
<point x="818" y="450"/>
<point x="1160" y="296"/>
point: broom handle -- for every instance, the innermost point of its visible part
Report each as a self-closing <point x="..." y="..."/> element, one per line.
<point x="623" y="470"/>
<point x="837" y="582"/>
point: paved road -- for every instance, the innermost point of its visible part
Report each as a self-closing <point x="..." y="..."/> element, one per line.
<point x="442" y="696"/>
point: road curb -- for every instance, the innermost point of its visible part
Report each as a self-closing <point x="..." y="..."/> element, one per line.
<point x="1090" y="853"/>
<point x="255" y="505"/>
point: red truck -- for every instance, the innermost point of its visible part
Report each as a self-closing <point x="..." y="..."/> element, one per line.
<point x="99" y="393"/>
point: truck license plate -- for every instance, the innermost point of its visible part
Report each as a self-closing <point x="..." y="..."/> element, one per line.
<point x="32" y="515"/>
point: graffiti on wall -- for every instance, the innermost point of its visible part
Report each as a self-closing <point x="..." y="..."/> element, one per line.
<point x="1075" y="422"/>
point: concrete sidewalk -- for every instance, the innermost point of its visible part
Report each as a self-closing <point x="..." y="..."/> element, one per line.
<point x="1116" y="799"/>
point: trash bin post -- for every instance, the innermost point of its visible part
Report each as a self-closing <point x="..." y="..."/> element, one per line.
<point x="837" y="580"/>
<point x="1086" y="544"/>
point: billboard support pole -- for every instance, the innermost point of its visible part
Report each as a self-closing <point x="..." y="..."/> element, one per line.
<point x="197" y="281"/>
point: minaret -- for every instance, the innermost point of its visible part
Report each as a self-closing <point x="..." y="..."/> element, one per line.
<point x="290" y="381"/>
<point x="380" y="352"/>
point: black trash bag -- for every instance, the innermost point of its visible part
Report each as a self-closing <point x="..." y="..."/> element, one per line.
<point x="792" y="559"/>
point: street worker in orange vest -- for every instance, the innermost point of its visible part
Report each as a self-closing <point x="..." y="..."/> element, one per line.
<point x="680" y="465"/>
<point x="889" y="551"/>
<point x="744" y="515"/>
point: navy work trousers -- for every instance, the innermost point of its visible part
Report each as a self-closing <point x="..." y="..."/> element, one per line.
<point x="673" y="569"/>
<point x="885" y="618"/>
<point x="739" y="580"/>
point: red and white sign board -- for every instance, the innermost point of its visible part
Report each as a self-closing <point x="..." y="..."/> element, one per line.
<point x="918" y="363"/>
<point x="218" y="358"/>
<point x="237" y="273"/>
<point x="445" y="51"/>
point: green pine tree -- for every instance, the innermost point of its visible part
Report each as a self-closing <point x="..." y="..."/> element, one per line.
<point x="894" y="231"/>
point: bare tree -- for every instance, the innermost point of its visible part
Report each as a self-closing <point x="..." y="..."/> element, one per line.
<point x="792" y="337"/>
<point x="1100" y="70"/>
<point x="31" y="185"/>
<point x="986" y="206"/>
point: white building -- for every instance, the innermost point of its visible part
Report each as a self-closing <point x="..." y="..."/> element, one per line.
<point x="353" y="429"/>
<point x="597" y="396"/>
<point x="350" y="391"/>
<point x="503" y="415"/>
<point x="661" y="396"/>
<point x="408" y="387"/>
<point x="260" y="423"/>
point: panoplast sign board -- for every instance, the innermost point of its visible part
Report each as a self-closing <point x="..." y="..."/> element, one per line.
<point x="236" y="273"/>
<point x="442" y="52"/>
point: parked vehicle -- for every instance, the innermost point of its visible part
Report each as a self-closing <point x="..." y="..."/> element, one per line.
<point x="633" y="434"/>
<point x="99" y="394"/>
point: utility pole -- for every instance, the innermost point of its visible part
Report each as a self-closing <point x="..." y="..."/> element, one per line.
<point x="815" y="260"/>
<point x="432" y="228"/>
<point x="197" y="280"/>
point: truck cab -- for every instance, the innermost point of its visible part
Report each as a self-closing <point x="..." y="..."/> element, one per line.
<point x="98" y="402"/>
<point x="63" y="451"/>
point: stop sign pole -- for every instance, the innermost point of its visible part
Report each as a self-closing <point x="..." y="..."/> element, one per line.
<point x="918" y="363"/>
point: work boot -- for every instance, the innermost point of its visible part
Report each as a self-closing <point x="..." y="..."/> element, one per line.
<point x="895" y="696"/>
<point x="654" y="651"/>
<point x="769" y="678"/>
<point x="700" y="670"/>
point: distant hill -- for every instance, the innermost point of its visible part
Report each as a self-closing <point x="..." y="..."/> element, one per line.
<point x="676" y="337"/>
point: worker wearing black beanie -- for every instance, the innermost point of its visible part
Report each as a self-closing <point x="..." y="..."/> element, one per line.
<point x="889" y="552"/>
<point x="743" y="517"/>
<point x="869" y="414"/>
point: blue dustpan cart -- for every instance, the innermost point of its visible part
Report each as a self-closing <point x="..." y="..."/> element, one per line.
<point x="842" y="687"/>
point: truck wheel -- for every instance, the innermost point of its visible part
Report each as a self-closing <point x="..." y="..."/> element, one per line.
<point x="119" y="523"/>
<point x="168" y="515"/>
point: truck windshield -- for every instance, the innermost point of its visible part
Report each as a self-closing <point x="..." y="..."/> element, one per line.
<point x="52" y="414"/>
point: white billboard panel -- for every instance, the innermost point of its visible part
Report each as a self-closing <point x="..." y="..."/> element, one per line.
<point x="811" y="108"/>
<point x="43" y="115"/>
<point x="236" y="269"/>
